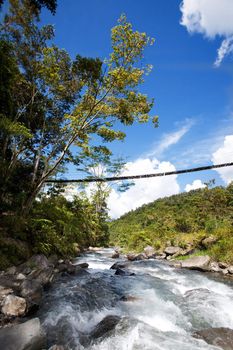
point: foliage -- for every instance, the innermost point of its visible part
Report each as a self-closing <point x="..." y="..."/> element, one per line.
<point x="183" y="219"/>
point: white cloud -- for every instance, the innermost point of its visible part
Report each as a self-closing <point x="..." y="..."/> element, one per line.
<point x="194" y="186"/>
<point x="225" y="155"/>
<point x="70" y="191"/>
<point x="170" y="139"/>
<point x="144" y="190"/>
<point x="211" y="18"/>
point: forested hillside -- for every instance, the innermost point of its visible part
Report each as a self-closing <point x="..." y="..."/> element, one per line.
<point x="182" y="219"/>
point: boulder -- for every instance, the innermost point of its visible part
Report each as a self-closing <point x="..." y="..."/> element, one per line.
<point x="121" y="272"/>
<point x="83" y="265"/>
<point x="32" y="291"/>
<point x="43" y="276"/>
<point x="208" y="242"/>
<point x="176" y="264"/>
<point x="115" y="255"/>
<point x="149" y="251"/>
<point x="214" y="267"/>
<point x="136" y="257"/>
<point x="172" y="250"/>
<point x="119" y="265"/>
<point x="222" y="265"/>
<point x="11" y="270"/>
<point x="161" y="256"/>
<point x="230" y="269"/>
<point x="38" y="261"/>
<point x="25" y="336"/>
<point x="13" y="306"/>
<point x="57" y="347"/>
<point x="221" y="337"/>
<point x="106" y="325"/>
<point x="200" y="263"/>
<point x="224" y="271"/>
<point x="4" y="291"/>
<point x="21" y="277"/>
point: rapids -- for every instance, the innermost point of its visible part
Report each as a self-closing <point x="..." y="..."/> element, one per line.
<point x="169" y="305"/>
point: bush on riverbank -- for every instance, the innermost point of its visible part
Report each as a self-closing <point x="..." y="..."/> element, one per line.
<point x="183" y="219"/>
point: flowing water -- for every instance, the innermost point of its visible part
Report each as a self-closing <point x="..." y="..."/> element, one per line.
<point x="165" y="306"/>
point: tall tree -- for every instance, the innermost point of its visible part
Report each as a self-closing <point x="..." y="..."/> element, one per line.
<point x="62" y="102"/>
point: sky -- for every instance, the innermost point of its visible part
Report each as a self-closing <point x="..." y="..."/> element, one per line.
<point x="191" y="83"/>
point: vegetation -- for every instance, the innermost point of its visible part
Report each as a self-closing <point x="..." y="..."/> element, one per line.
<point x="183" y="219"/>
<point x="55" y="110"/>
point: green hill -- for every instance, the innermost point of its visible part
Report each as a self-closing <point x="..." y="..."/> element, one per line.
<point x="182" y="219"/>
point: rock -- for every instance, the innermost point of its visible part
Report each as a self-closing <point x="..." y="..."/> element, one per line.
<point x="21" y="277"/>
<point x="121" y="272"/>
<point x="161" y="256"/>
<point x="4" y="291"/>
<point x="176" y="264"/>
<point x="200" y="263"/>
<point x="57" y="347"/>
<point x="119" y="265"/>
<point x="106" y="325"/>
<point x="11" y="270"/>
<point x="230" y="269"/>
<point x="83" y="265"/>
<point x="39" y="261"/>
<point x="136" y="257"/>
<point x="221" y="337"/>
<point x="14" y="306"/>
<point x="224" y="271"/>
<point x="10" y="282"/>
<point x="115" y="255"/>
<point x="208" y="242"/>
<point x="53" y="260"/>
<point x="222" y="265"/>
<point x="25" y="336"/>
<point x="172" y="250"/>
<point x="43" y="276"/>
<point x="32" y="291"/>
<point x="149" y="251"/>
<point x="67" y="267"/>
<point x="129" y="298"/>
<point x="214" y="267"/>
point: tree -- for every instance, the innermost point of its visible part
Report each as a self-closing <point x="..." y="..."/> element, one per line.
<point x="38" y="4"/>
<point x="62" y="102"/>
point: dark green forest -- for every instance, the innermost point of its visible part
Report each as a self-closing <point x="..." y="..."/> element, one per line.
<point x="181" y="220"/>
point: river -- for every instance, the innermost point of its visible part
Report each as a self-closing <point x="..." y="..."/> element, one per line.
<point x="165" y="306"/>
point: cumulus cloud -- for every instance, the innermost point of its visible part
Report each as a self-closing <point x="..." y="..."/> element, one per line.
<point x="211" y="18"/>
<point x="144" y="190"/>
<point x="194" y="185"/>
<point x="224" y="154"/>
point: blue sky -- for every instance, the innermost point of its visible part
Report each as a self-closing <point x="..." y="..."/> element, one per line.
<point x="191" y="81"/>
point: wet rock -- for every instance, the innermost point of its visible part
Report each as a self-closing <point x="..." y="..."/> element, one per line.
<point x="80" y="271"/>
<point x="115" y="255"/>
<point x="200" y="263"/>
<point x="67" y="267"/>
<point x="106" y="325"/>
<point x="222" y="337"/>
<point x="172" y="250"/>
<point x="53" y="260"/>
<point x="83" y="265"/>
<point x="136" y="257"/>
<point x="208" y="242"/>
<point x="149" y="251"/>
<point x="225" y="271"/>
<point x="121" y="272"/>
<point x="25" y="336"/>
<point x="14" y="306"/>
<point x="176" y="264"/>
<point x="127" y="298"/>
<point x="32" y="291"/>
<point x="119" y="265"/>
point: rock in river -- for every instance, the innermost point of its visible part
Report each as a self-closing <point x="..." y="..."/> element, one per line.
<point x="222" y="337"/>
<point x="14" y="306"/>
<point x="25" y="336"/>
